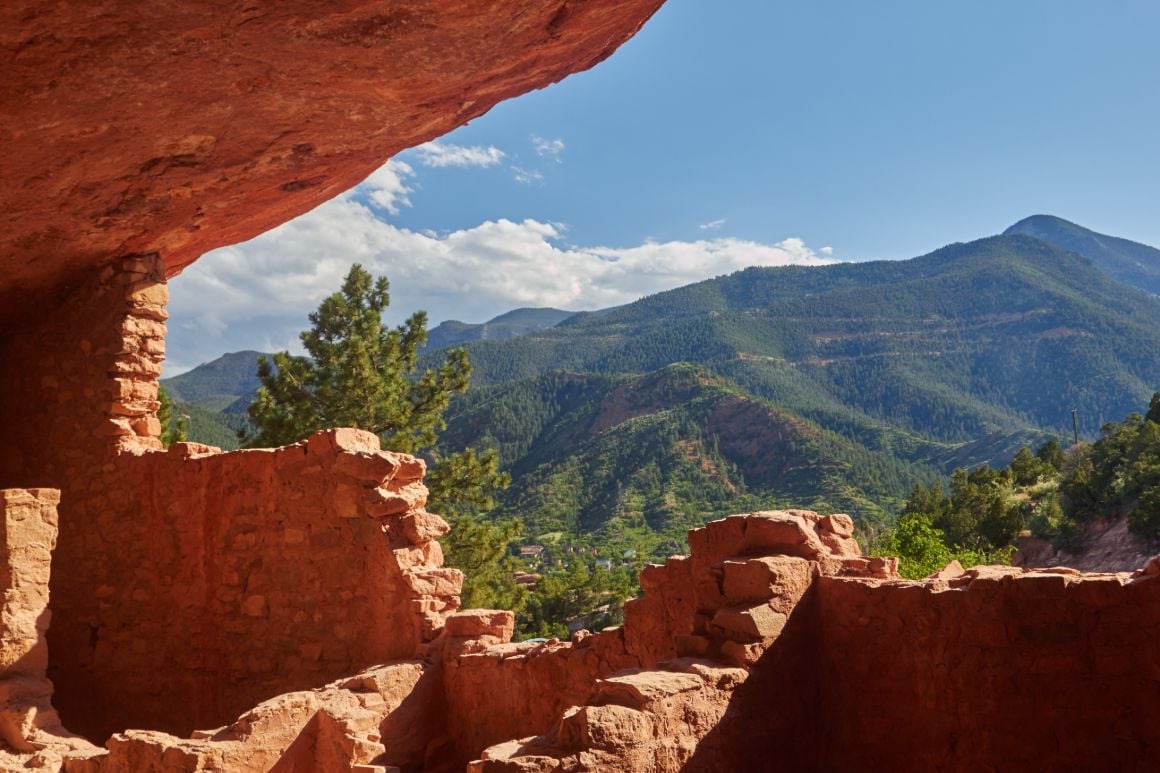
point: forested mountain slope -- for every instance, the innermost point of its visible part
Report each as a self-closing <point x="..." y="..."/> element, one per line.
<point x="658" y="453"/>
<point x="995" y="335"/>
<point x="834" y="387"/>
<point x="511" y="324"/>
<point x="1125" y="261"/>
<point x="217" y="384"/>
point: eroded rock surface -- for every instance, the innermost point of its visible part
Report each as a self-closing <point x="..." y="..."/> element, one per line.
<point x="31" y="734"/>
<point x="1108" y="545"/>
<point x="383" y="716"/>
<point x="175" y="128"/>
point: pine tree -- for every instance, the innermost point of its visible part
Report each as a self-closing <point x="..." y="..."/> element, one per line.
<point x="361" y="373"/>
<point x="173" y="429"/>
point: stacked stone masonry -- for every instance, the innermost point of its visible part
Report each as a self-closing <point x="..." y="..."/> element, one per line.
<point x="773" y="630"/>
<point x="273" y="570"/>
<point x="236" y="576"/>
<point x="703" y="621"/>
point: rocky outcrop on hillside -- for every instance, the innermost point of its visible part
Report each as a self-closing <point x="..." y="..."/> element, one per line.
<point x="1103" y="545"/>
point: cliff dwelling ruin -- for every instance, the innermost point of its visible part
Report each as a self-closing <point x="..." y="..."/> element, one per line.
<point x="288" y="609"/>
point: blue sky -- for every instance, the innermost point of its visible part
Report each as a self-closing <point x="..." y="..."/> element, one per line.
<point x="726" y="134"/>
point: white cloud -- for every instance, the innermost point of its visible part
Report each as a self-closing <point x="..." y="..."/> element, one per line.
<point x="712" y="225"/>
<point x="440" y="154"/>
<point x="827" y="251"/>
<point x="527" y="176"/>
<point x="257" y="294"/>
<point x="544" y="147"/>
<point x="387" y="188"/>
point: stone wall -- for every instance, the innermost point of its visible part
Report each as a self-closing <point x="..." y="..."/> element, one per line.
<point x="641" y="697"/>
<point x="79" y="382"/>
<point x="206" y="582"/>
<point x="190" y="584"/>
<point x="31" y="734"/>
<point x="773" y="646"/>
<point x="992" y="669"/>
<point x="502" y="692"/>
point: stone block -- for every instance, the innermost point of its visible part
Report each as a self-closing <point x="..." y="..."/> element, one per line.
<point x="423" y="526"/>
<point x="343" y="439"/>
<point x="839" y="523"/>
<point x="691" y="645"/>
<point x="775" y="532"/>
<point x="473" y="623"/>
<point x="755" y="622"/>
<point x="745" y="655"/>
<point x="384" y="503"/>
<point x="441" y="582"/>
<point x="638" y="688"/>
<point x="759" y="579"/>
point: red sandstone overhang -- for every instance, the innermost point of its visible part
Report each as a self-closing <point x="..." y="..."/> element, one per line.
<point x="131" y="126"/>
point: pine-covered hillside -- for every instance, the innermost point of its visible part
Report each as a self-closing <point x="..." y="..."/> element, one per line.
<point x="835" y="387"/>
<point x="640" y="459"/>
<point x="1125" y="261"/>
<point x="999" y="335"/>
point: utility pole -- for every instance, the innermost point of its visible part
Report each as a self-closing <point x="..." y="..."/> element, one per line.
<point x="1075" y="424"/>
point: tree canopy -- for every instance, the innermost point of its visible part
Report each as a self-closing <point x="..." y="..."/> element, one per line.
<point x="1051" y="493"/>
<point x="174" y="429"/>
<point x="358" y="373"/>
<point x="361" y="373"/>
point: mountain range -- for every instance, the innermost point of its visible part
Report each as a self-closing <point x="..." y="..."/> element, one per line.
<point x="512" y="324"/>
<point x="835" y="387"/>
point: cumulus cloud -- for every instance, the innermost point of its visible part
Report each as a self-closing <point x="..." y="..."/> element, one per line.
<point x="257" y="294"/>
<point x="712" y="225"/>
<point x="387" y="188"/>
<point x="550" y="148"/>
<point x="438" y="154"/>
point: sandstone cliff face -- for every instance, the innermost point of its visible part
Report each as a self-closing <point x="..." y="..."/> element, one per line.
<point x="176" y="128"/>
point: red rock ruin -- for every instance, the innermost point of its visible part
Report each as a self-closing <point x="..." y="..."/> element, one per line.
<point x="288" y="609"/>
